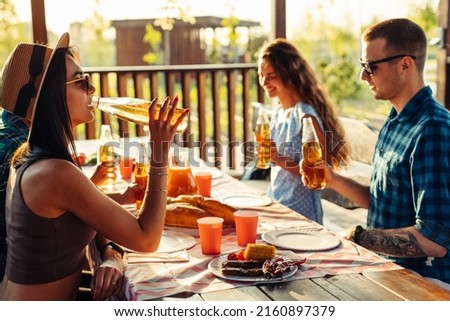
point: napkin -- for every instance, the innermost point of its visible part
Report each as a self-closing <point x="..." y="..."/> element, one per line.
<point x="154" y="257"/>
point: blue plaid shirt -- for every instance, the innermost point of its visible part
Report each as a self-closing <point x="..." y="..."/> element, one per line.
<point x="410" y="183"/>
<point x="13" y="132"/>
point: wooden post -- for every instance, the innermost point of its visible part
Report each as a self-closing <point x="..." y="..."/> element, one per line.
<point x="443" y="53"/>
<point x="38" y="21"/>
<point x="278" y="29"/>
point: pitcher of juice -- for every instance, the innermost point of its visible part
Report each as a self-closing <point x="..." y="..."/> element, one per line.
<point x="180" y="180"/>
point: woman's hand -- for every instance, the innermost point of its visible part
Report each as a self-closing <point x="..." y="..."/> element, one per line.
<point x="100" y="174"/>
<point x="273" y="152"/>
<point x="108" y="278"/>
<point x="128" y="196"/>
<point x="161" y="128"/>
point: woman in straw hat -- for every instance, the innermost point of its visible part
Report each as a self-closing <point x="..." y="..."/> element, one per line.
<point x="53" y="210"/>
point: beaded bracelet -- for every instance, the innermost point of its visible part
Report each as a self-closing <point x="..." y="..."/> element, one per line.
<point x="157" y="174"/>
<point x="151" y="190"/>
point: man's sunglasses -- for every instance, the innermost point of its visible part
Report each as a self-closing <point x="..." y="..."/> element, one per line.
<point x="85" y="82"/>
<point x="369" y="66"/>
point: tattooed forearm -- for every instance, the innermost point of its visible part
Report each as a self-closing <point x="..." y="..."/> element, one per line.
<point x="391" y="242"/>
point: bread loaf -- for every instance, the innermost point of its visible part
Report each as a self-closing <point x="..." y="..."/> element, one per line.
<point x="216" y="208"/>
<point x="184" y="210"/>
<point x="183" y="215"/>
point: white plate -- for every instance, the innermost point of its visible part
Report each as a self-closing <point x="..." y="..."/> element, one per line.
<point x="172" y="241"/>
<point x="215" y="267"/>
<point x="245" y="200"/>
<point x="301" y="240"/>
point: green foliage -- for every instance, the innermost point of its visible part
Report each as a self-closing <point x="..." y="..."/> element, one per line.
<point x="213" y="52"/>
<point x="93" y="36"/>
<point x="426" y="16"/>
<point x="154" y="38"/>
<point x="11" y="30"/>
<point x="231" y="23"/>
<point x="340" y="78"/>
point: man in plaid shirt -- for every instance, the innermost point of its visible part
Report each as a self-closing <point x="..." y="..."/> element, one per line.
<point x="13" y="132"/>
<point x="408" y="199"/>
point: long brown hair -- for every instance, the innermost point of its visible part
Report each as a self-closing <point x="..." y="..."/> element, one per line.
<point x="297" y="75"/>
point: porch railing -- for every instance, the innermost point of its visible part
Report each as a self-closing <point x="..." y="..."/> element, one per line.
<point x="220" y="98"/>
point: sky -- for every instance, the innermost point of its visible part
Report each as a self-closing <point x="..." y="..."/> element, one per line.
<point x="60" y="13"/>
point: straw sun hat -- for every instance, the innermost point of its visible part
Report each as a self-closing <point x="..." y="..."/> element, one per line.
<point x="23" y="74"/>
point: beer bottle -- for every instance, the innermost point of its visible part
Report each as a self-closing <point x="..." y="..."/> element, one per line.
<point x="312" y="155"/>
<point x="262" y="135"/>
<point x="133" y="109"/>
<point x="107" y="157"/>
<point x="141" y="173"/>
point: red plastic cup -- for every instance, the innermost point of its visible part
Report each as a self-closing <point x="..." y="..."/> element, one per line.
<point x="210" y="231"/>
<point x="126" y="167"/>
<point x="203" y="180"/>
<point x="246" y="227"/>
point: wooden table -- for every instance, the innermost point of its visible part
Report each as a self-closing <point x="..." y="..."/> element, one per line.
<point x="386" y="281"/>
<point x="398" y="285"/>
<point x="392" y="284"/>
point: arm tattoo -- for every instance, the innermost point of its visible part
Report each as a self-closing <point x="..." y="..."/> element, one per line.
<point x="394" y="243"/>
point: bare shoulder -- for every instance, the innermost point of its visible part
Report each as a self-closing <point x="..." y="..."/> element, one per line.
<point x="50" y="170"/>
<point x="56" y="177"/>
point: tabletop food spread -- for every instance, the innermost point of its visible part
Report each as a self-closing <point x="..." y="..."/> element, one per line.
<point x="303" y="248"/>
<point x="183" y="268"/>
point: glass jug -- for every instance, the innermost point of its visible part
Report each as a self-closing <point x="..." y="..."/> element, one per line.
<point x="180" y="180"/>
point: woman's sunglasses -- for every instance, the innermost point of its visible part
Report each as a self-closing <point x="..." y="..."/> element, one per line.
<point x="85" y="82"/>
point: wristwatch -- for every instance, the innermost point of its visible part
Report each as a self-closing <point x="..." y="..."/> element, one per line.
<point x="357" y="233"/>
<point x="114" y="246"/>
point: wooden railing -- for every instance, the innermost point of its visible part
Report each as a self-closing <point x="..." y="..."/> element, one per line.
<point x="220" y="99"/>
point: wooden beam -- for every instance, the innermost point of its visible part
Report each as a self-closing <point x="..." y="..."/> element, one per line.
<point x="278" y="19"/>
<point x="443" y="53"/>
<point x="38" y="21"/>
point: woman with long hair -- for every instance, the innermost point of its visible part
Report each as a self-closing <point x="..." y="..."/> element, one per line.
<point x="286" y="75"/>
<point x="52" y="209"/>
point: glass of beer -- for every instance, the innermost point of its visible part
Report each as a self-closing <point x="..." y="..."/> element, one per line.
<point x="134" y="110"/>
<point x="141" y="178"/>
<point x="141" y="169"/>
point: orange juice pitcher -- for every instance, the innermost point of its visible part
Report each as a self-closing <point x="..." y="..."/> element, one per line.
<point x="180" y="180"/>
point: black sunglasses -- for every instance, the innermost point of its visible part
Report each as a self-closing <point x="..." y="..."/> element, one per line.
<point x="85" y="82"/>
<point x="369" y="66"/>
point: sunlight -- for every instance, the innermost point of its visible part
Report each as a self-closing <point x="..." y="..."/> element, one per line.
<point x="346" y="13"/>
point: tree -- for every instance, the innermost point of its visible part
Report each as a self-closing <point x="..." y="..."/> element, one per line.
<point x="154" y="38"/>
<point x="12" y="31"/>
<point x="93" y="36"/>
<point x="340" y="78"/>
<point x="426" y="16"/>
<point x="231" y="23"/>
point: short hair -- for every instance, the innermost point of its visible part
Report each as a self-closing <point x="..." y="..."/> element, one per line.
<point x="402" y="36"/>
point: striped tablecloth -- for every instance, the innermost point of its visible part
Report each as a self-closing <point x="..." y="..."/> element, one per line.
<point x="145" y="281"/>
